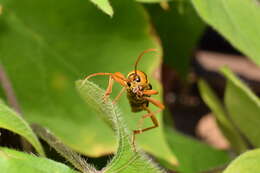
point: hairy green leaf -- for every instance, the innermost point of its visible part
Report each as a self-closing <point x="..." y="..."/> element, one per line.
<point x="74" y="158"/>
<point x="10" y="120"/>
<point x="12" y="161"/>
<point x="243" y="106"/>
<point x="236" y="20"/>
<point x="126" y="160"/>
<point x="228" y="129"/>
<point x="246" y="163"/>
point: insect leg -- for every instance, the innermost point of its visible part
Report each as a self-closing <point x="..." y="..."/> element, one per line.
<point x="119" y="95"/>
<point x="154" y="120"/>
<point x="150" y="92"/>
<point x="117" y="76"/>
<point x="109" y="88"/>
<point x="97" y="74"/>
<point x="150" y="114"/>
<point x="120" y="78"/>
<point x="155" y="102"/>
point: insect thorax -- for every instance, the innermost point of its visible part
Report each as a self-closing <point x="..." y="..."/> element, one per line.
<point x="136" y="101"/>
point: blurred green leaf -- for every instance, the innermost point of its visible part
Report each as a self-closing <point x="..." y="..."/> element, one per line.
<point x="246" y="163"/>
<point x="10" y="120"/>
<point x="236" y="20"/>
<point x="243" y="106"/>
<point x="72" y="40"/>
<point x="153" y="1"/>
<point x="179" y="33"/>
<point x="228" y="129"/>
<point x="12" y="161"/>
<point x="125" y="160"/>
<point x="105" y="6"/>
<point x="194" y="156"/>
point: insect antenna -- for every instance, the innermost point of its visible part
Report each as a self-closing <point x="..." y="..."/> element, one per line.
<point x="141" y="55"/>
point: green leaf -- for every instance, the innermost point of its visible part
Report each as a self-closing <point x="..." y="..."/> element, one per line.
<point x="243" y="106"/>
<point x="71" y="41"/>
<point x="10" y="120"/>
<point x="126" y="159"/>
<point x="12" y="161"/>
<point x="234" y="20"/>
<point x="152" y="1"/>
<point x="246" y="163"/>
<point x="194" y="156"/>
<point x="179" y="33"/>
<point x="228" y="129"/>
<point x="74" y="158"/>
<point x="105" y="6"/>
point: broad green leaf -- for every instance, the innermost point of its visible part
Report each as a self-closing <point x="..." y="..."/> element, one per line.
<point x="179" y="33"/>
<point x="105" y="6"/>
<point x="236" y="20"/>
<point x="126" y="160"/>
<point x="243" y="106"/>
<point x="10" y="120"/>
<point x="228" y="129"/>
<point x="194" y="156"/>
<point x="12" y="161"/>
<point x="246" y="163"/>
<point x="72" y="40"/>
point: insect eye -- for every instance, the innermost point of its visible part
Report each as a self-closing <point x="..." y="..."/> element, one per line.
<point x="137" y="79"/>
<point x="129" y="84"/>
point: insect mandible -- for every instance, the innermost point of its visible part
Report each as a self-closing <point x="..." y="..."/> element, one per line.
<point x="139" y="92"/>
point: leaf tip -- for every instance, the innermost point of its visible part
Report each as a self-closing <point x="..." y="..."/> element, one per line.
<point x="104" y="6"/>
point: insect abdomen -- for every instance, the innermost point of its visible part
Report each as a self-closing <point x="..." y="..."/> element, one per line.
<point x="137" y="104"/>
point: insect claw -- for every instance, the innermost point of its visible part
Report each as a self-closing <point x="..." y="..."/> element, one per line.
<point x="134" y="149"/>
<point x="133" y="142"/>
<point x="140" y="131"/>
<point x="105" y="98"/>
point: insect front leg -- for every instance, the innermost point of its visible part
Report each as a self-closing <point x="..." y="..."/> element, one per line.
<point x="119" y="95"/>
<point x="149" y="92"/>
<point x="117" y="77"/>
<point x="120" y="78"/>
<point x="109" y="88"/>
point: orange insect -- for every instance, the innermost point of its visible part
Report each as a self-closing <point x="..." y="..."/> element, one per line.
<point x="139" y="92"/>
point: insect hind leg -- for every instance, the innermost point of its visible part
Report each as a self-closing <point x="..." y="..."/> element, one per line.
<point x="154" y="120"/>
